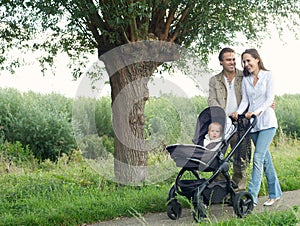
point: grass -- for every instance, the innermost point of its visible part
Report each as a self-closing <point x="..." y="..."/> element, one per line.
<point x="73" y="193"/>
<point x="284" y="218"/>
<point x="286" y="159"/>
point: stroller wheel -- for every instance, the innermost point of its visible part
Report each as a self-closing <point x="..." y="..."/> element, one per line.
<point x="174" y="210"/>
<point x="243" y="203"/>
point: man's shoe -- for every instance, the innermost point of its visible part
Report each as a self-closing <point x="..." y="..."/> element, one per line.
<point x="270" y="202"/>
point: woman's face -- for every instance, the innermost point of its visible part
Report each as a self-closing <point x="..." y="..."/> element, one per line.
<point x="250" y="63"/>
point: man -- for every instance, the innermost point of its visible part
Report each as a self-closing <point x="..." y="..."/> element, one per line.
<point x="225" y="91"/>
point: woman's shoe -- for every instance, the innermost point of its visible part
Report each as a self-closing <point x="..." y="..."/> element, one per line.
<point x="270" y="202"/>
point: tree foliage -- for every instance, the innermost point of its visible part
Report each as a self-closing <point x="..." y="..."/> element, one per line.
<point x="80" y="28"/>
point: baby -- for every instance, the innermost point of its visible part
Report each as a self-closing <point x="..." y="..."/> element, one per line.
<point x="214" y="135"/>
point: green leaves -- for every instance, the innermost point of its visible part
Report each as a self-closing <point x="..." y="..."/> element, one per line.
<point x="42" y="122"/>
<point x="82" y="27"/>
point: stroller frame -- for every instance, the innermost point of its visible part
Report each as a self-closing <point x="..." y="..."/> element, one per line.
<point x="203" y="192"/>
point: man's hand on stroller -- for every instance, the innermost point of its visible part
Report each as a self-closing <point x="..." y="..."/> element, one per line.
<point x="248" y="114"/>
<point x="234" y="115"/>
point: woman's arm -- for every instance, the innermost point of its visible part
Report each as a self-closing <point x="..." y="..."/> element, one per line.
<point x="270" y="95"/>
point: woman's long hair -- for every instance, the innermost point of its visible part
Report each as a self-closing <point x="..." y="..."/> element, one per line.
<point x="254" y="53"/>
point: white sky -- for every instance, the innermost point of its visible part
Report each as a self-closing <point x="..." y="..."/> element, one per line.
<point x="280" y="58"/>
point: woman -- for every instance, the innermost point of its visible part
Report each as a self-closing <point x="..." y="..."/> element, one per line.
<point x="258" y="93"/>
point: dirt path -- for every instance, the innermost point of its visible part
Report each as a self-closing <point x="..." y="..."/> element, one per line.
<point x="216" y="212"/>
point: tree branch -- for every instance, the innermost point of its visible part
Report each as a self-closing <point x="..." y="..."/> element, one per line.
<point x="157" y="21"/>
<point x="178" y="28"/>
<point x="81" y="27"/>
<point x="168" y="24"/>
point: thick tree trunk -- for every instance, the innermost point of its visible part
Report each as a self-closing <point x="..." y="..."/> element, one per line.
<point x="128" y="123"/>
<point x="129" y="68"/>
<point x="128" y="103"/>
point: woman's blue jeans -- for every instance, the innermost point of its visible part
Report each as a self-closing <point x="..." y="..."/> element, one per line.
<point x="262" y="162"/>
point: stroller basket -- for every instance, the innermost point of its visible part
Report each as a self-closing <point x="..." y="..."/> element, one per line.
<point x="187" y="187"/>
<point x="195" y="156"/>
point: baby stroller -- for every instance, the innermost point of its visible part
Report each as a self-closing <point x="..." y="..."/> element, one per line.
<point x="194" y="158"/>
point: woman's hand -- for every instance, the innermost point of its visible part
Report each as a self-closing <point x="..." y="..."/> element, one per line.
<point x="249" y="114"/>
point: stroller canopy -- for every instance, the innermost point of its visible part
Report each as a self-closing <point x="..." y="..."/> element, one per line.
<point x="207" y="116"/>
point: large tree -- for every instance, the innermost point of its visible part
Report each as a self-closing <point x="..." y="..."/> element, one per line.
<point x="82" y="27"/>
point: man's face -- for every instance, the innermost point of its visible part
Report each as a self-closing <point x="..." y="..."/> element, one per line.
<point x="228" y="62"/>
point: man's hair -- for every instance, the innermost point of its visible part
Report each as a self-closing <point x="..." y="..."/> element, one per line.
<point x="225" y="50"/>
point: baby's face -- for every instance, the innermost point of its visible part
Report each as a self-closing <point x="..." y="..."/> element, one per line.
<point x="214" y="132"/>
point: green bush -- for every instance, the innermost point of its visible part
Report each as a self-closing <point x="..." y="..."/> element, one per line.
<point x="92" y="124"/>
<point x="103" y="117"/>
<point x="162" y="121"/>
<point x="14" y="152"/>
<point x="288" y="114"/>
<point x="93" y="146"/>
<point x="172" y="119"/>
<point x="11" y="102"/>
<point x="40" y="121"/>
<point x="48" y="123"/>
<point x="83" y="116"/>
<point x="14" y="157"/>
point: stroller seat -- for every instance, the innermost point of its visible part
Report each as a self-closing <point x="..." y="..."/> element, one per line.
<point x="195" y="157"/>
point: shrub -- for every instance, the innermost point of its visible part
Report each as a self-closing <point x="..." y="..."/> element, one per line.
<point x="103" y="117"/>
<point x="15" y="152"/>
<point x="13" y="156"/>
<point x="288" y="114"/>
<point x="48" y="123"/>
<point x="83" y="116"/>
<point x="92" y="124"/>
<point x="92" y="146"/>
<point x="10" y="105"/>
<point x="40" y="121"/>
<point x="162" y="122"/>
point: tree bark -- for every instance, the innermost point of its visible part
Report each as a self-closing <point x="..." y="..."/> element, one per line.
<point x="130" y="68"/>
<point x="129" y="95"/>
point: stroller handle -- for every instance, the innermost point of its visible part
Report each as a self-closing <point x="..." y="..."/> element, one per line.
<point x="253" y="123"/>
<point x="242" y="116"/>
<point x="253" y="116"/>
